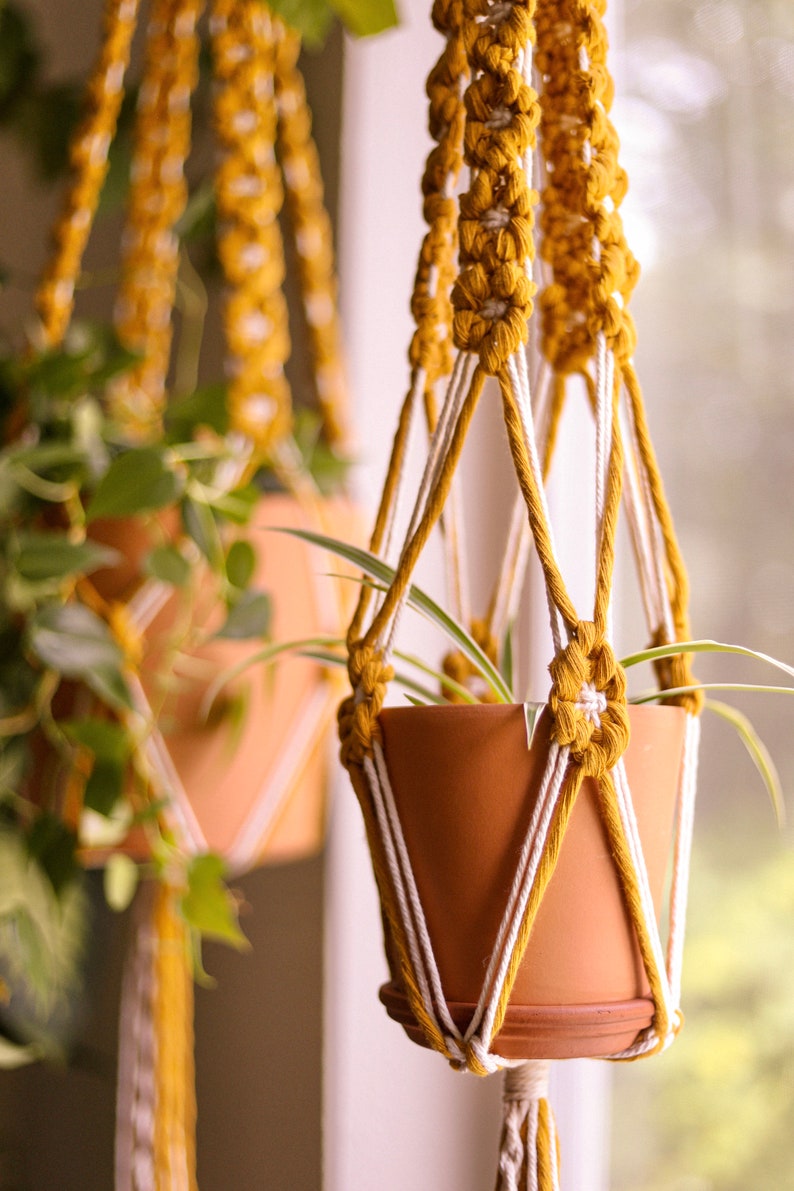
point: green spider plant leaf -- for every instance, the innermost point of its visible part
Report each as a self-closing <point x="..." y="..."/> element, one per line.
<point x="674" y="692"/>
<point x="531" y="715"/>
<point x="667" y="651"/>
<point x="376" y="569"/>
<point x="758" y="751"/>
<point x="327" y="658"/>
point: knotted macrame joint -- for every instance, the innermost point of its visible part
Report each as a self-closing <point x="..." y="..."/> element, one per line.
<point x="358" y="715"/>
<point x="588" y="701"/>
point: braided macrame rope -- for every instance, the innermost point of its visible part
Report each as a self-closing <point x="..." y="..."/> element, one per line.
<point x="156" y="1100"/>
<point x="250" y="196"/>
<point x="88" y="159"/>
<point x="157" y="198"/>
<point x="587" y="333"/>
<point x="311" y="231"/>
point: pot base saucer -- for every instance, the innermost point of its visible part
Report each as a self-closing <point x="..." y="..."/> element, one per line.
<point x="541" y="1031"/>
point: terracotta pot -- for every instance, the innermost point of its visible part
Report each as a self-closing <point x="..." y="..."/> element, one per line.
<point x="465" y="786"/>
<point x="253" y="789"/>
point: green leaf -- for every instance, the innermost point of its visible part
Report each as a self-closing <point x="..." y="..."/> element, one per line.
<point x="110" y="685"/>
<point x="327" y="658"/>
<point x="42" y="556"/>
<point x="120" y="880"/>
<point x="444" y="681"/>
<point x="208" y="905"/>
<point x="169" y="565"/>
<point x="311" y="18"/>
<point x="106" y="739"/>
<point x="268" y="654"/>
<point x="531" y="714"/>
<point x="104" y="787"/>
<point x="137" y="481"/>
<point x="373" y="566"/>
<point x="675" y="691"/>
<point x="72" y="640"/>
<point x="366" y="17"/>
<point x="249" y="616"/>
<point x="758" y="752"/>
<point x="667" y="651"/>
<point x="237" y="506"/>
<point x="205" y="406"/>
<point x="200" y="525"/>
<point x="508" y="650"/>
<point x="54" y="846"/>
<point x="198" y="219"/>
<point x="240" y="563"/>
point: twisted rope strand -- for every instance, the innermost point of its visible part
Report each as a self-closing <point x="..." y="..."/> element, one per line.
<point x="249" y="196"/>
<point x="88" y="160"/>
<point x="157" y="198"/>
<point x="311" y="232"/>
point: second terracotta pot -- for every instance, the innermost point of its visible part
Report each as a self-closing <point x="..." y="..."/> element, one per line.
<point x="465" y="785"/>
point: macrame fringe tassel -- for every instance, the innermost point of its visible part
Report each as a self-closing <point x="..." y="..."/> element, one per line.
<point x="529" y="1158"/>
<point x="156" y="1098"/>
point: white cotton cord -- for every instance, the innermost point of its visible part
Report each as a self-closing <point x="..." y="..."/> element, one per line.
<point x="136" y="1089"/>
<point x="524" y="1085"/>
<point x="511" y="576"/>
<point x="519" y="540"/>
<point x="438" y="452"/>
<point x="631" y="830"/>
<point x="408" y="901"/>
<point x="656" y="546"/>
<point x="517" y="369"/>
<point x="652" y="602"/>
<point x="412" y="918"/>
<point x="526" y="871"/>
<point x="456" y="554"/>
<point x="683" y="847"/>
<point x="394" y="506"/>
<point x="605" y="380"/>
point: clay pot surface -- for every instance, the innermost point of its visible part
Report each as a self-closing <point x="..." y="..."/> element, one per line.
<point x="251" y="788"/>
<point x="465" y="785"/>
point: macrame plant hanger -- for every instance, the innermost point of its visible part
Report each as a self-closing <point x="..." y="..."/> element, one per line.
<point x="267" y="159"/>
<point x="522" y="92"/>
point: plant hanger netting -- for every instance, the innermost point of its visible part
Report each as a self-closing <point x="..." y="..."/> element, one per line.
<point x="266" y="160"/>
<point x="533" y="252"/>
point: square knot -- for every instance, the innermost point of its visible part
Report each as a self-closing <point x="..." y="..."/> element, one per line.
<point x="592" y="703"/>
<point x="588" y="701"/>
<point x="358" y="714"/>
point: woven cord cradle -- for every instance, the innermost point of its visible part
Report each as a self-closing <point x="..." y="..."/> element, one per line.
<point x="521" y="94"/>
<point x="267" y="159"/>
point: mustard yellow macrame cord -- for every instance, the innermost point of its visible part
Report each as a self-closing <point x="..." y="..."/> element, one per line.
<point x="88" y="160"/>
<point x="250" y="196"/>
<point x="430" y="349"/>
<point x="311" y="232"/>
<point x="157" y="198"/>
<point x="413" y="548"/>
<point x="492" y="298"/>
<point x="175" y="1124"/>
<point x="431" y="346"/>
